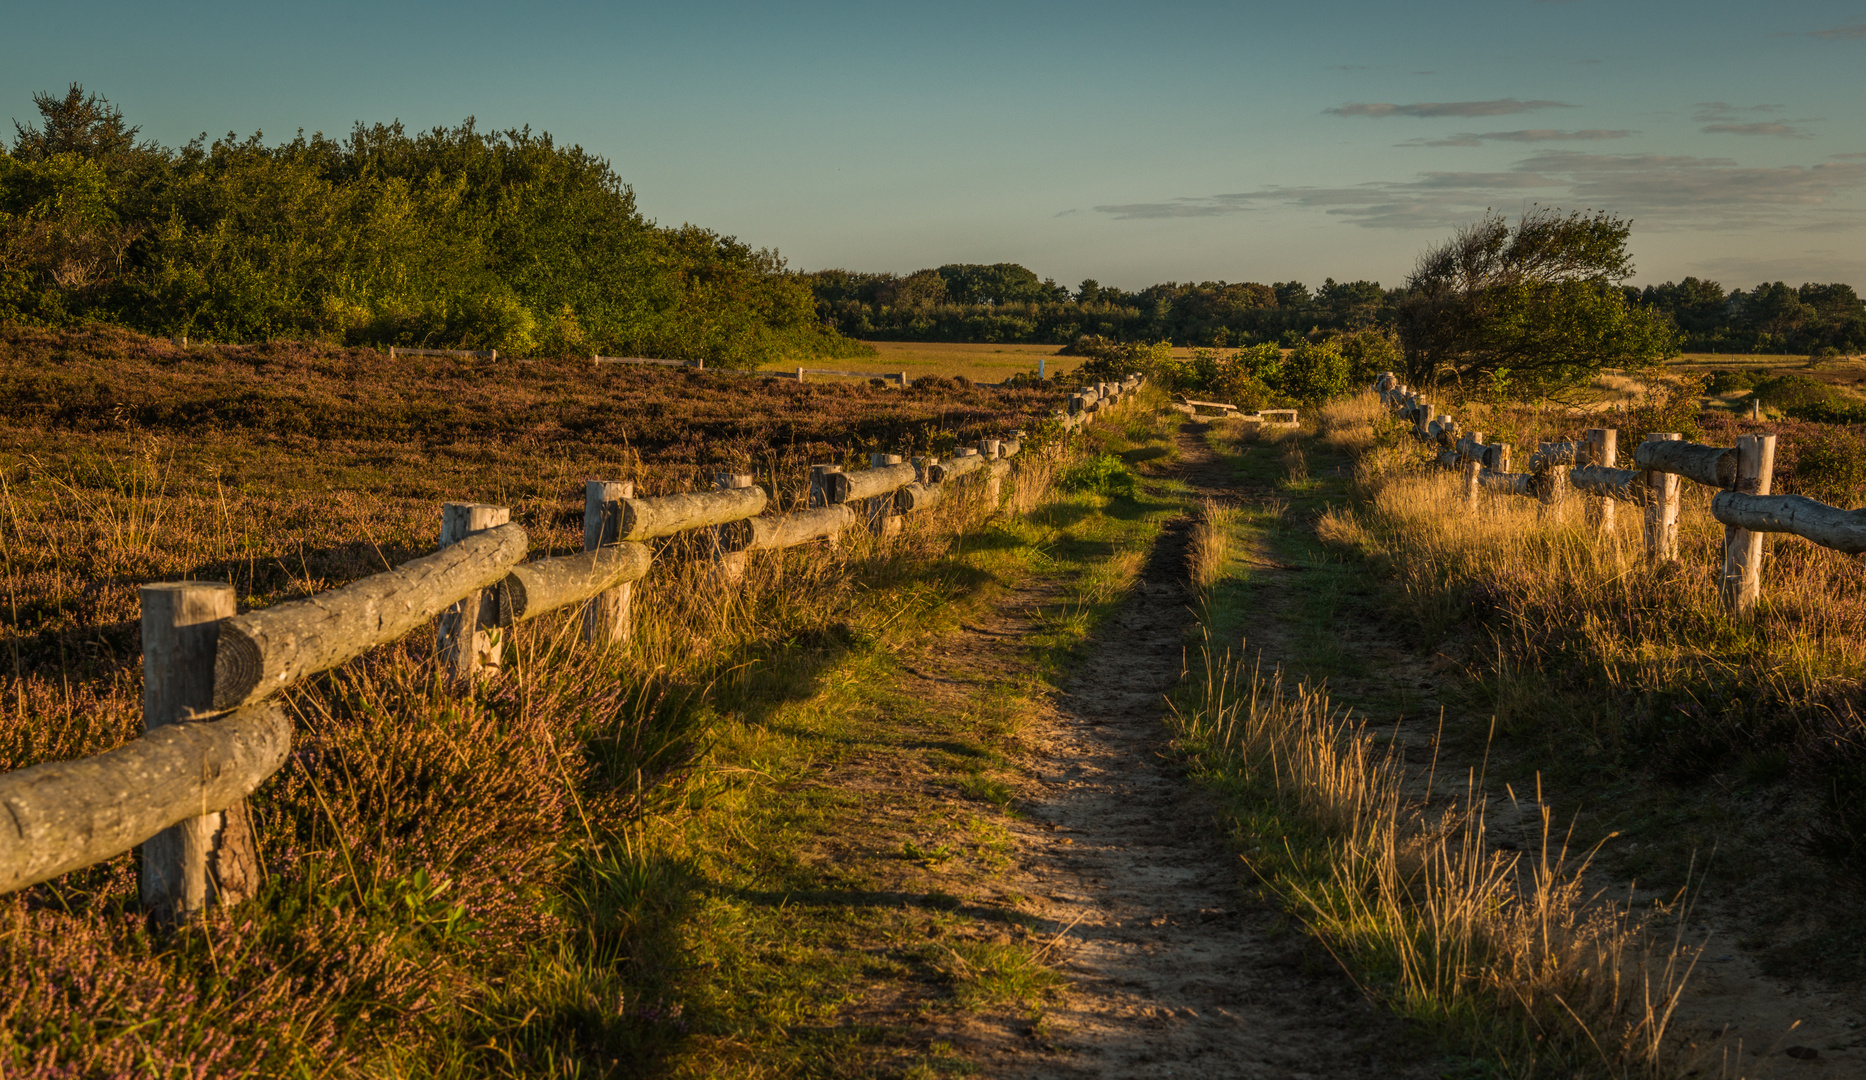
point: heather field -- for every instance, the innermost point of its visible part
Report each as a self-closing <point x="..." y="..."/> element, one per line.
<point x="498" y="883"/>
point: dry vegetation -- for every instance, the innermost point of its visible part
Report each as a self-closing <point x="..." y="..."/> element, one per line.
<point x="1511" y="954"/>
<point x="454" y="884"/>
<point x="1628" y="662"/>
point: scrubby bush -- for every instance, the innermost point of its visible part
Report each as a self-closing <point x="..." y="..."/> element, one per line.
<point x="1832" y="466"/>
<point x="1315" y="372"/>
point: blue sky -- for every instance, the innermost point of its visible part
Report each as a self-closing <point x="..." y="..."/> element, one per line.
<point x="1132" y="143"/>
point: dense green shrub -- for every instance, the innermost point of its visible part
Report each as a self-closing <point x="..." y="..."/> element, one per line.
<point x="453" y="237"/>
<point x="1832" y="466"/>
<point x="1104" y="474"/>
<point x="1315" y="372"/>
<point x="1726" y="382"/>
<point x="1788" y="392"/>
<point x="1834" y="411"/>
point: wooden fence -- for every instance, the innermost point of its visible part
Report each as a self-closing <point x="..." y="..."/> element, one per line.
<point x="1741" y="474"/>
<point x="213" y="733"/>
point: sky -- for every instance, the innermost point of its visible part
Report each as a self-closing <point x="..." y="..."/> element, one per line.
<point x="1130" y="143"/>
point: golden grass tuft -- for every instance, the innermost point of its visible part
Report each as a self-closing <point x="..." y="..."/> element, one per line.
<point x="1210" y="547"/>
<point x="1507" y="950"/>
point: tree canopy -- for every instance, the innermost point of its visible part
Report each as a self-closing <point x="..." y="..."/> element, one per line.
<point x="1535" y="306"/>
<point x="453" y="237"/>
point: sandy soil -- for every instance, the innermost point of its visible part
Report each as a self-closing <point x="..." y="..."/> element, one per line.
<point x="1173" y="968"/>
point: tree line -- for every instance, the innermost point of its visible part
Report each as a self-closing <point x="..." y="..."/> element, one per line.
<point x="1815" y="319"/>
<point x="450" y="238"/>
<point x="1006" y="302"/>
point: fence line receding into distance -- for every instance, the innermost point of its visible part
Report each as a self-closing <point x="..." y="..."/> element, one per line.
<point x="1742" y="476"/>
<point x="213" y="734"/>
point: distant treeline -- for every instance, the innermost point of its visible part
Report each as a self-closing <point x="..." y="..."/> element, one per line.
<point x="1006" y="302"/>
<point x="1816" y="320"/>
<point x="448" y="238"/>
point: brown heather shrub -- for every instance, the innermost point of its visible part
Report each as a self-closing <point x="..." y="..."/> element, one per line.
<point x="421" y="847"/>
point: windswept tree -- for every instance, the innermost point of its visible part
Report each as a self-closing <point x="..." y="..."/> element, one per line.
<point x="1532" y="308"/>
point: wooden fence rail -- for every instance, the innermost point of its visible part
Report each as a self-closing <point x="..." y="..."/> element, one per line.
<point x="1742" y="475"/>
<point x="211" y="738"/>
<point x="397" y="350"/>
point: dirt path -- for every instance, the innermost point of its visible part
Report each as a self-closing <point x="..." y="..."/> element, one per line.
<point x="1172" y="970"/>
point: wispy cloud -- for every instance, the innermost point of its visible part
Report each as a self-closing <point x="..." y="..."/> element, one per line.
<point x="1662" y="191"/>
<point x="1209" y="206"/>
<point x="1528" y="135"/>
<point x="1759" y="127"/>
<point x="1723" y="118"/>
<point x="1723" y="110"/>
<point x="1841" y="33"/>
<point x="1499" y="107"/>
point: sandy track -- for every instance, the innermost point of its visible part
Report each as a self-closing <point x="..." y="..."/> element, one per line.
<point x="1173" y="969"/>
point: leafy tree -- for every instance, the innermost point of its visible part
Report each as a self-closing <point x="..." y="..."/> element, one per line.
<point x="918" y="290"/>
<point x="1368" y="353"/>
<point x="1535" y="306"/>
<point x="1351" y="304"/>
<point x="998" y="283"/>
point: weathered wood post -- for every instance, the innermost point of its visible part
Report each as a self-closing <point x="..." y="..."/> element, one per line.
<point x="207" y="859"/>
<point x="903" y="377"/>
<point x="819" y="484"/>
<point x="1497" y="456"/>
<point x="466" y="642"/>
<point x="994" y="477"/>
<point x="882" y="520"/>
<point x="1662" y="509"/>
<point x="1603" y="450"/>
<point x="1471" y="469"/>
<point x="1552" y="478"/>
<point x="799" y="374"/>
<point x="606" y="618"/>
<point x="729" y="558"/>
<point x="1741" y="585"/>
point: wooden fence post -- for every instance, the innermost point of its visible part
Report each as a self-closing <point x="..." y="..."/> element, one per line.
<point x="206" y="859"/>
<point x="1741" y="585"/>
<point x="994" y="475"/>
<point x="1553" y="482"/>
<point x="466" y="642"/>
<point x="882" y="520"/>
<point x="606" y="617"/>
<point x="729" y="560"/>
<point x="819" y="484"/>
<point x="1662" y="508"/>
<point x="1603" y="450"/>
<point x="1471" y="469"/>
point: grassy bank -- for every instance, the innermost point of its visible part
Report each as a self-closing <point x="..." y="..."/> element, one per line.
<point x="1333" y="759"/>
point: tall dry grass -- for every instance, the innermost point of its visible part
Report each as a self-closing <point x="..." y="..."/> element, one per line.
<point x="438" y="866"/>
<point x="1508" y="951"/>
<point x="1210" y="546"/>
<point x="1639" y="659"/>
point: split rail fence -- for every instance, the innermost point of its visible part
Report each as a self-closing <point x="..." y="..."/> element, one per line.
<point x="213" y="732"/>
<point x="1741" y="475"/>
